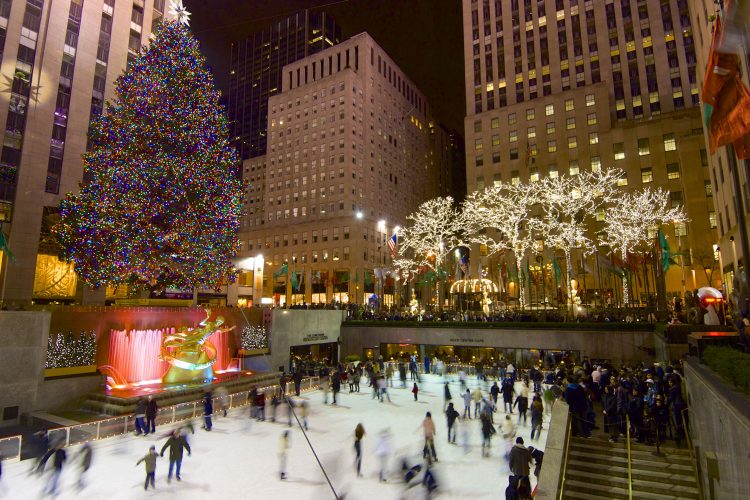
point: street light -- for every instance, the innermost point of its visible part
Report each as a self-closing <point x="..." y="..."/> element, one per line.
<point x="381" y="225"/>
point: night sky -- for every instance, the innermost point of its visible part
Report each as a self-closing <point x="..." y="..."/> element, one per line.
<point x="423" y="37"/>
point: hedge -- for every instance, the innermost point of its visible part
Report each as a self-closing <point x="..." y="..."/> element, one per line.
<point x="732" y="365"/>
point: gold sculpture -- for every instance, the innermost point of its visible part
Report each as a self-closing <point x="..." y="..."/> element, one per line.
<point x="189" y="352"/>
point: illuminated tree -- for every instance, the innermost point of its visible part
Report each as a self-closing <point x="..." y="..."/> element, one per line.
<point x="499" y="217"/>
<point x="425" y="243"/>
<point x="568" y="203"/>
<point x="628" y="220"/>
<point x="162" y="201"/>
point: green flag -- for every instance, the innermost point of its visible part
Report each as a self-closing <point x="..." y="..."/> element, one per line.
<point x="513" y="273"/>
<point x="368" y="278"/>
<point x="283" y="270"/>
<point x="558" y="271"/>
<point x="666" y="253"/>
<point x="5" y="248"/>
<point x="528" y="272"/>
<point x="356" y="277"/>
<point x="293" y="280"/>
<point x="345" y="277"/>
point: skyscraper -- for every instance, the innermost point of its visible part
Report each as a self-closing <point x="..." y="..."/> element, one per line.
<point x="255" y="71"/>
<point x="59" y="63"/>
<point x="557" y="87"/>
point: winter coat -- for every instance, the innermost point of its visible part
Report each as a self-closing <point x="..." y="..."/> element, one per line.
<point x="609" y="404"/>
<point x="508" y="430"/>
<point x="447" y="392"/>
<point x="151" y="408"/>
<point x="415" y="389"/>
<point x="486" y="427"/>
<point x="537" y="409"/>
<point x="507" y="391"/>
<point x="494" y="390"/>
<point x="451" y="414"/>
<point x="140" y="408"/>
<point x="86" y="457"/>
<point x="175" y="445"/>
<point x="429" y="428"/>
<point x="575" y="396"/>
<point x="383" y="446"/>
<point x="522" y="403"/>
<point x="208" y="407"/>
<point x="467" y="398"/>
<point x="476" y="396"/>
<point x="150" y="460"/>
<point x="336" y="382"/>
<point x="519" y="460"/>
<point x="60" y="457"/>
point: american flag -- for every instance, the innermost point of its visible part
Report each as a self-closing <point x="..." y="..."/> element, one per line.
<point x="464" y="263"/>
<point x="393" y="244"/>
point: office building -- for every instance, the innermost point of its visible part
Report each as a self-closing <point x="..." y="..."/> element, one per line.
<point x="255" y="71"/>
<point x="559" y="87"/>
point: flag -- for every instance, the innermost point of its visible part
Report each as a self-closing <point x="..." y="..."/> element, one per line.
<point x="5" y="248"/>
<point x="300" y="285"/>
<point x="464" y="264"/>
<point x="283" y="270"/>
<point x="608" y="266"/>
<point x="585" y="265"/>
<point x="528" y="272"/>
<point x="513" y="273"/>
<point x="293" y="280"/>
<point x="665" y="251"/>
<point x="393" y="245"/>
<point x="368" y="278"/>
<point x="558" y="271"/>
<point x="501" y="277"/>
<point x="316" y="278"/>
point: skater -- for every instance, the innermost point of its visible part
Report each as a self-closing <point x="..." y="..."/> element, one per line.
<point x="150" y="462"/>
<point x="383" y="389"/>
<point x="522" y="401"/>
<point x="222" y="397"/>
<point x="151" y="410"/>
<point x="415" y="391"/>
<point x="297" y="378"/>
<point x="260" y="406"/>
<point x="476" y="396"/>
<point x="59" y="458"/>
<point x="383" y="450"/>
<point x="359" y="433"/>
<point x="335" y="385"/>
<point x="508" y="431"/>
<point x="519" y="461"/>
<point x="84" y="464"/>
<point x="428" y="426"/>
<point x="451" y="415"/>
<point x="494" y="391"/>
<point x="467" y="404"/>
<point x="175" y="443"/>
<point x="304" y="410"/>
<point x="487" y="431"/>
<point x="537" y="414"/>
<point x="208" y="410"/>
<point x="447" y="396"/>
<point x="507" y="390"/>
<point x="275" y="402"/>
<point x="324" y="388"/>
<point x="283" y="450"/>
<point x="252" y="397"/>
<point x="140" y="416"/>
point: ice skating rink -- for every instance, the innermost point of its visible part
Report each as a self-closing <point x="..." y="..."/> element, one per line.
<point x="239" y="458"/>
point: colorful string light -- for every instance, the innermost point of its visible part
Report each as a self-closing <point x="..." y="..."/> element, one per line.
<point x="163" y="203"/>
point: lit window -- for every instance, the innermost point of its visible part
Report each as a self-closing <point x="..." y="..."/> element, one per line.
<point x="550" y="127"/>
<point x="515" y="179"/>
<point x="590" y="100"/>
<point x="647" y="175"/>
<point x="480" y="183"/>
<point x="573" y="168"/>
<point x="530" y="114"/>
<point x="673" y="171"/>
<point x="708" y="188"/>
<point x="477" y="126"/>
<point x="623" y="181"/>
<point x="478" y="144"/>
<point x="600" y="217"/>
<point x="496" y="139"/>
<point x="619" y="150"/>
<point x="479" y="161"/>
<point x="570" y="123"/>
<point x="496" y="180"/>
<point x="553" y="171"/>
<point x="531" y="132"/>
<point x="534" y="174"/>
<point x="572" y="142"/>
<point x="496" y="157"/>
<point x="596" y="164"/>
<point x="643" y="147"/>
<point x="680" y="229"/>
<point x="670" y="144"/>
<point x="712" y="220"/>
<point x="569" y="106"/>
<point x="511" y="118"/>
<point x="549" y="110"/>
<point x="513" y="136"/>
<point x="552" y="146"/>
<point x="675" y="198"/>
<point x="591" y="118"/>
<point x="593" y="138"/>
<point x="495" y="123"/>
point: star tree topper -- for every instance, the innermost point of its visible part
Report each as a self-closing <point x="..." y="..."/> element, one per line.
<point x="179" y="11"/>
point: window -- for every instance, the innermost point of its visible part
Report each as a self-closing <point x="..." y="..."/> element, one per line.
<point x="709" y="189"/>
<point x="478" y="126"/>
<point x="511" y="119"/>
<point x="553" y="171"/>
<point x="552" y="146"/>
<point x="647" y="175"/>
<point x="569" y="106"/>
<point x="712" y="220"/>
<point x="480" y="183"/>
<point x="531" y="132"/>
<point x="670" y="144"/>
<point x="572" y="142"/>
<point x="496" y="182"/>
<point x="619" y="150"/>
<point x="570" y="123"/>
<point x="478" y="144"/>
<point x="680" y="229"/>
<point x="675" y="198"/>
<point x="479" y="161"/>
<point x="513" y="153"/>
<point x="590" y="100"/>
<point x="573" y="168"/>
<point x="495" y="123"/>
<point x="591" y="119"/>
<point x="623" y="181"/>
<point x="550" y="127"/>
<point x="513" y="136"/>
<point x="596" y="164"/>
<point x="496" y="139"/>
<point x="530" y="114"/>
<point x="673" y="171"/>
<point x="593" y="138"/>
<point x="704" y="158"/>
<point x="534" y="174"/>
<point x="515" y="179"/>
<point x="549" y="110"/>
<point x="643" y="147"/>
<point x="496" y="157"/>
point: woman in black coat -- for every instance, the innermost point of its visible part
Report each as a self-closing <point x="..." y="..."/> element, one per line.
<point x="609" y="409"/>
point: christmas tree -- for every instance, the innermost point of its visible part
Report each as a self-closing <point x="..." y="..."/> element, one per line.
<point x="162" y="201"/>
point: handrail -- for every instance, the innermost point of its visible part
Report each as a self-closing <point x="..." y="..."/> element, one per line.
<point x="693" y="458"/>
<point x="565" y="456"/>
<point x="630" y="463"/>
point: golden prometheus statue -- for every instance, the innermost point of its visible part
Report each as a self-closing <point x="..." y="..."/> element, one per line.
<point x="189" y="352"/>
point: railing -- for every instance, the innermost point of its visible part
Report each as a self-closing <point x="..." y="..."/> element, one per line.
<point x="117" y="426"/>
<point x="565" y="458"/>
<point x="449" y="367"/>
<point x="630" y="462"/>
<point x="10" y="448"/>
<point x="693" y="458"/>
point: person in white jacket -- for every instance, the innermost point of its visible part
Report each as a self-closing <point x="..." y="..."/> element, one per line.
<point x="383" y="450"/>
<point x="467" y="403"/>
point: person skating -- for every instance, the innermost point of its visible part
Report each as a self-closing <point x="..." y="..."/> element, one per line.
<point x="335" y="385"/>
<point x="59" y="458"/>
<point x="537" y="415"/>
<point x="451" y="415"/>
<point x="283" y="451"/>
<point x="522" y="401"/>
<point x="260" y="406"/>
<point x="519" y="462"/>
<point x="222" y="397"/>
<point x="467" y="404"/>
<point x="297" y="378"/>
<point x="415" y="391"/>
<point x="507" y="390"/>
<point x="476" y="396"/>
<point x="383" y="450"/>
<point x="151" y="410"/>
<point x="175" y="443"/>
<point x="487" y="431"/>
<point x="359" y="433"/>
<point x="140" y="417"/>
<point x="85" y="456"/>
<point x="149" y="460"/>
<point x="428" y="427"/>
<point x="446" y="396"/>
<point x="275" y="402"/>
<point x="495" y="392"/>
<point x="208" y="411"/>
<point x="304" y="410"/>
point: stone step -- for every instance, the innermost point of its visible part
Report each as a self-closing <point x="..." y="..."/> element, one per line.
<point x="605" y="478"/>
<point x="574" y="488"/>
<point x="603" y="441"/>
<point x="643" y="454"/>
<point x="637" y="462"/>
<point x="655" y="475"/>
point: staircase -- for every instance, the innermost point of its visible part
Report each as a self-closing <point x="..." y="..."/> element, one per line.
<point x="598" y="469"/>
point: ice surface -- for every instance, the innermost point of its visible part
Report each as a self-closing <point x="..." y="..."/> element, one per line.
<point x="239" y="458"/>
